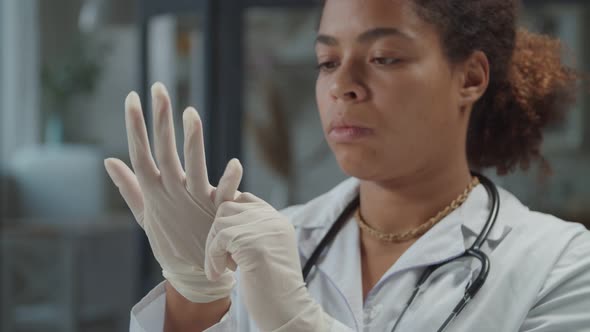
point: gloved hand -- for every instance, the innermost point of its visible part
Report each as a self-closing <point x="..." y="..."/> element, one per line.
<point x="262" y="242"/>
<point x="174" y="208"/>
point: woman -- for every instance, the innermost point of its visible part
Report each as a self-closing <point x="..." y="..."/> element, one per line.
<point x="412" y="94"/>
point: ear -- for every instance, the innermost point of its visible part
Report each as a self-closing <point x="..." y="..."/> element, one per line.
<point x="475" y="79"/>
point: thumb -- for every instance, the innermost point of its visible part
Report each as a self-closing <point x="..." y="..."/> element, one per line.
<point x="227" y="189"/>
<point x="124" y="178"/>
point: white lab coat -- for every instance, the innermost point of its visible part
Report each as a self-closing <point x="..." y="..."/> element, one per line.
<point x="539" y="278"/>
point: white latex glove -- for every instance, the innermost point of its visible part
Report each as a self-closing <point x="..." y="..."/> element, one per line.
<point x="174" y="208"/>
<point x="262" y="242"/>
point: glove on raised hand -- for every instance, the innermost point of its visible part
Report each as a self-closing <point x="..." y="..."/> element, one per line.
<point x="175" y="208"/>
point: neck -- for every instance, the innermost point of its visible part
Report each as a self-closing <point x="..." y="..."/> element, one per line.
<point x="404" y="203"/>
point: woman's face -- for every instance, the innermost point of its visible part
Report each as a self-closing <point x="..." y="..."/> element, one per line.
<point x="387" y="95"/>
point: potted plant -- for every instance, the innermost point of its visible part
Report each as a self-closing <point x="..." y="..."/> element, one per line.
<point x="71" y="76"/>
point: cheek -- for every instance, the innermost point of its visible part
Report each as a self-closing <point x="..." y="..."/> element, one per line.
<point x="322" y="100"/>
<point x="400" y="102"/>
<point x="415" y="99"/>
<point x="414" y="112"/>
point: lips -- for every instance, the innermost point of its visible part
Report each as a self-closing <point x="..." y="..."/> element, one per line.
<point x="342" y="131"/>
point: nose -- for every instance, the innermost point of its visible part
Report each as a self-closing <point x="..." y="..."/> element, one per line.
<point x="348" y="87"/>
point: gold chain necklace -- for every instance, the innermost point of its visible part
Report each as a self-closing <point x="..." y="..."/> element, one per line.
<point x="418" y="231"/>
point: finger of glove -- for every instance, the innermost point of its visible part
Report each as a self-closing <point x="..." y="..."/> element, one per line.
<point x="137" y="140"/>
<point x="247" y="197"/>
<point x="197" y="180"/>
<point x="217" y="256"/>
<point x="208" y="264"/>
<point x="227" y="189"/>
<point x="242" y="203"/>
<point x="231" y="208"/>
<point x="164" y="138"/>
<point x="123" y="177"/>
<point x="231" y="264"/>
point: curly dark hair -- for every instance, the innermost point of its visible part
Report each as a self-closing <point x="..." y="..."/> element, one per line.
<point x="530" y="88"/>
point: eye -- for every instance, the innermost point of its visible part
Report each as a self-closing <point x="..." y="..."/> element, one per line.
<point x="327" y="65"/>
<point x="385" y="61"/>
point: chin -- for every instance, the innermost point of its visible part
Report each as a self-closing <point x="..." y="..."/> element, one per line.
<point x="368" y="164"/>
<point x="358" y="165"/>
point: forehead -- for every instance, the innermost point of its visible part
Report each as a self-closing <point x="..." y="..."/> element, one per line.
<point x="349" y="18"/>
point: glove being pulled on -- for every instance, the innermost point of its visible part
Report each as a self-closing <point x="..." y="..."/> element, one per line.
<point x="174" y="208"/>
<point x="262" y="242"/>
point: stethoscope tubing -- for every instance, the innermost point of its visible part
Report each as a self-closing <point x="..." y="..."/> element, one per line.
<point x="474" y="251"/>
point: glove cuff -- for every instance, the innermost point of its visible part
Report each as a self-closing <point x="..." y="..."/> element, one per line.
<point x="198" y="289"/>
<point x="313" y="318"/>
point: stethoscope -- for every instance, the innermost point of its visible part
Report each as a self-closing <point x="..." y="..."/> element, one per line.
<point x="474" y="251"/>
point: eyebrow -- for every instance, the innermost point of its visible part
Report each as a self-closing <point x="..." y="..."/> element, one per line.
<point x="365" y="37"/>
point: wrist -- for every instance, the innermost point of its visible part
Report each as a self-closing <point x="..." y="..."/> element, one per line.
<point x="185" y="315"/>
<point x="198" y="289"/>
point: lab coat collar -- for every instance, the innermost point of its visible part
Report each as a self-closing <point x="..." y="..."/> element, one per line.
<point x="319" y="214"/>
<point x="446" y="240"/>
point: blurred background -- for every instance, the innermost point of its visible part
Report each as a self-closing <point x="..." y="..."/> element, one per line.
<point x="72" y="257"/>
